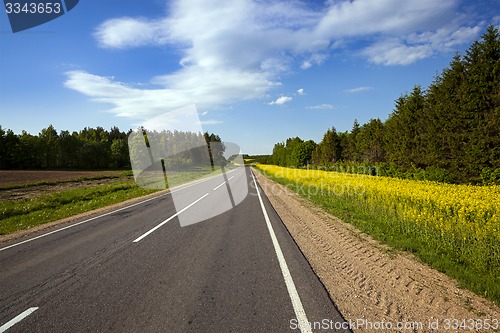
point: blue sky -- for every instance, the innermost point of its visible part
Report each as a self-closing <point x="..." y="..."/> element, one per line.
<point x="257" y="71"/>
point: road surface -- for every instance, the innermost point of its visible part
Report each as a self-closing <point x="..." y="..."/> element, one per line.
<point x="138" y="270"/>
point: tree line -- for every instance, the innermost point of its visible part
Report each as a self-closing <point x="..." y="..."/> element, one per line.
<point x="177" y="150"/>
<point x="447" y="132"/>
<point x="87" y="149"/>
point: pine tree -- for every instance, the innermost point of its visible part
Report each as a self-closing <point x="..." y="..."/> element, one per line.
<point x="482" y="86"/>
<point x="371" y="141"/>
<point x="329" y="149"/>
<point x="351" y="150"/>
<point x="447" y="122"/>
<point x="405" y="128"/>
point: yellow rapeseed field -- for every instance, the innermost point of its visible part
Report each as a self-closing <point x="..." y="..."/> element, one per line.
<point x="462" y="219"/>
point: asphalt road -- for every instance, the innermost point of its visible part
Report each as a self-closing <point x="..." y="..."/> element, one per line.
<point x="139" y="270"/>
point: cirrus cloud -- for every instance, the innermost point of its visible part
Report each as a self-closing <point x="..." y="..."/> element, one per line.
<point x="358" y="89"/>
<point x="320" y="107"/>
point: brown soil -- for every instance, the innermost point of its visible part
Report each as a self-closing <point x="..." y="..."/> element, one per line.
<point x="37" y="190"/>
<point x="70" y="178"/>
<point x="20" y="177"/>
<point x="373" y="286"/>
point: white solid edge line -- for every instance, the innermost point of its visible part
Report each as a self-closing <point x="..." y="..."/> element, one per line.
<point x="290" y="285"/>
<point x="171" y="217"/>
<point x="112" y="212"/>
<point x="17" y="319"/>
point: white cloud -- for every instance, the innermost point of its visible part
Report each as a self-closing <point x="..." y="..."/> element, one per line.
<point x="320" y="107"/>
<point x="417" y="46"/>
<point x="281" y="100"/>
<point x="126" y="32"/>
<point x="393" y="53"/>
<point x="211" y="122"/>
<point x="368" y="17"/>
<point x="182" y="119"/>
<point x="318" y="58"/>
<point x="180" y="90"/>
<point x="306" y="64"/>
<point x="301" y="91"/>
<point x="445" y="37"/>
<point x="405" y="31"/>
<point x="358" y="89"/>
<point x="314" y="59"/>
<point x="239" y="50"/>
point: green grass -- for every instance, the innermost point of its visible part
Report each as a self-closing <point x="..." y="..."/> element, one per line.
<point x="63" y="181"/>
<point x="385" y="226"/>
<point x="22" y="214"/>
<point x="28" y="213"/>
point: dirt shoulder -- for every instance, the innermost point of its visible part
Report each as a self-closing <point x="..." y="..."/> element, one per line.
<point x="373" y="286"/>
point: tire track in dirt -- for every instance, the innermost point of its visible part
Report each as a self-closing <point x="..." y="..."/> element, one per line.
<point x="368" y="280"/>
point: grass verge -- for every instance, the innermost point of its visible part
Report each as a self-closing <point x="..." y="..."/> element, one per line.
<point x="28" y="213"/>
<point x="385" y="224"/>
<point x="22" y="214"/>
